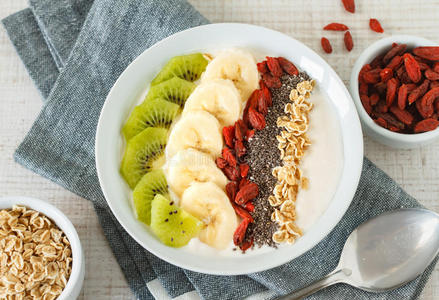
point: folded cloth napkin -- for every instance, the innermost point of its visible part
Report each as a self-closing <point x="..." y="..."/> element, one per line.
<point x="74" y="50"/>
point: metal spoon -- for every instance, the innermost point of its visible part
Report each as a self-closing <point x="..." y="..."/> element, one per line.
<point x="384" y="252"/>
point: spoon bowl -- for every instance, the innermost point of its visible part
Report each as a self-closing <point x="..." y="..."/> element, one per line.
<point x="391" y="249"/>
<point x="384" y="252"/>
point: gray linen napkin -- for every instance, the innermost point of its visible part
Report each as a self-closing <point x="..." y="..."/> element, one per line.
<point x="60" y="145"/>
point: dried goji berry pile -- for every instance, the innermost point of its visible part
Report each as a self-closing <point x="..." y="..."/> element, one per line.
<point x="400" y="89"/>
<point x="241" y="190"/>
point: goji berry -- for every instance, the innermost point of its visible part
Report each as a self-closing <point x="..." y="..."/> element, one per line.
<point x="402" y="96"/>
<point x="244" y="168"/>
<point x="242" y="212"/>
<point x="266" y="94"/>
<point x="348" y="42"/>
<point x="326" y="45"/>
<point x="426" y="125"/>
<point x="430" y="96"/>
<point x="262" y="67"/>
<point x="381" y="107"/>
<point x="381" y="122"/>
<point x="336" y="27"/>
<point x="386" y="74"/>
<point x="436" y="105"/>
<point x="364" y="88"/>
<point x="274" y="67"/>
<point x="256" y="119"/>
<point x="373" y="99"/>
<point x="431" y="75"/>
<point x="391" y="121"/>
<point x="399" y="72"/>
<point x="373" y="76"/>
<point x="397" y="50"/>
<point x="402" y="115"/>
<point x="377" y="62"/>
<point x="349" y="5"/>
<point x="221" y="162"/>
<point x="423" y="66"/>
<point x="239" y="148"/>
<point x="246" y="245"/>
<point x="392" y="86"/>
<point x="421" y="60"/>
<point x="246" y="193"/>
<point x="436" y="67"/>
<point x="250" y="134"/>
<point x="231" y="190"/>
<point x="410" y="87"/>
<point x="240" y="130"/>
<point x="405" y="78"/>
<point x="395" y="62"/>
<point x="434" y="84"/>
<point x="366" y="104"/>
<point x="412" y="67"/>
<point x="419" y="91"/>
<point x="229" y="157"/>
<point x="244" y="181"/>
<point x="364" y="69"/>
<point x="229" y="135"/>
<point x="249" y="206"/>
<point x="231" y="173"/>
<point x="426" y="111"/>
<point x="239" y="235"/>
<point x="288" y="66"/>
<point x="430" y="52"/>
<point x="375" y="25"/>
<point x="381" y="87"/>
<point x="262" y="104"/>
<point x="271" y="81"/>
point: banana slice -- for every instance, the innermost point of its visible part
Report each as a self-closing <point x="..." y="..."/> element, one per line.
<point x="207" y="202"/>
<point x="191" y="165"/>
<point x="237" y="65"/>
<point x="199" y="130"/>
<point x="218" y="97"/>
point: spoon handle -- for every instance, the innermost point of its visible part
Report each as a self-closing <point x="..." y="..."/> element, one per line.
<point x="338" y="275"/>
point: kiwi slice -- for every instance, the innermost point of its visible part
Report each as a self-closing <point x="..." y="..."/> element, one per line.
<point x="172" y="225"/>
<point x="174" y="90"/>
<point x="151" y="184"/>
<point x="152" y="113"/>
<point x="187" y="67"/>
<point x="143" y="153"/>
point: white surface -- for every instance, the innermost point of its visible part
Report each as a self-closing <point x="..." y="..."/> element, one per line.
<point x="131" y="83"/>
<point x="76" y="279"/>
<point x="378" y="133"/>
<point x="416" y="170"/>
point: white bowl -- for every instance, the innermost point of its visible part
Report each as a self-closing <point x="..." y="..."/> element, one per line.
<point x="378" y="133"/>
<point x="135" y="79"/>
<point x="76" y="279"/>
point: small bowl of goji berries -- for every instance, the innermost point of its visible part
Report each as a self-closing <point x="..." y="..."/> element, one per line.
<point x="395" y="86"/>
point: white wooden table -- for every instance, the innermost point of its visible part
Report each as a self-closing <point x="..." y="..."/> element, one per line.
<point x="417" y="171"/>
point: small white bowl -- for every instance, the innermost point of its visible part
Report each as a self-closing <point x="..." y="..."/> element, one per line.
<point x="76" y="279"/>
<point x="380" y="134"/>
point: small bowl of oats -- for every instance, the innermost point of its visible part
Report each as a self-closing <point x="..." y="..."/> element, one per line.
<point x="40" y="251"/>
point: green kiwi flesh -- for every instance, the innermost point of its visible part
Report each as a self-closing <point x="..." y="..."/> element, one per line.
<point x="188" y="67"/>
<point x="152" y="113"/>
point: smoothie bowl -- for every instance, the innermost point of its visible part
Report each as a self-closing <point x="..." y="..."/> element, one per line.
<point x="229" y="154"/>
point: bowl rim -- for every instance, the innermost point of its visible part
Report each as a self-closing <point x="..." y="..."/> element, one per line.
<point x="76" y="279"/>
<point x="365" y="57"/>
<point x="350" y="182"/>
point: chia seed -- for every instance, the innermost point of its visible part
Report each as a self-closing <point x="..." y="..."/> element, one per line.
<point x="262" y="156"/>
